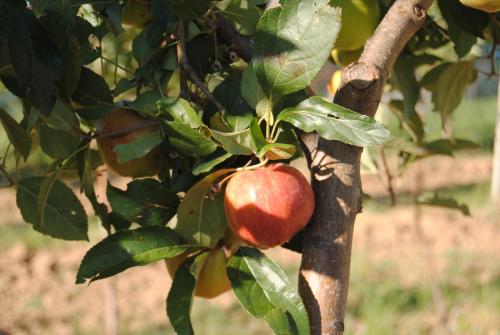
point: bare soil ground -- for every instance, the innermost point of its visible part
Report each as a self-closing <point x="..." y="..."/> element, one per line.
<point x="38" y="294"/>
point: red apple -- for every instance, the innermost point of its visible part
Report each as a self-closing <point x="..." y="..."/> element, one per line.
<point x="267" y="207"/>
<point x="123" y="126"/>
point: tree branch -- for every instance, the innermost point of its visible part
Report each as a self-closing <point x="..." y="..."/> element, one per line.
<point x="238" y="43"/>
<point x="324" y="275"/>
<point x="184" y="63"/>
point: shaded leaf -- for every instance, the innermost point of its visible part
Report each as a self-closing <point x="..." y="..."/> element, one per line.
<point x="64" y="216"/>
<point x="200" y="217"/>
<point x="180" y="299"/>
<point x="445" y="202"/>
<point x="146" y="201"/>
<point x="16" y="134"/>
<point x="448" y="82"/>
<point x="57" y="143"/>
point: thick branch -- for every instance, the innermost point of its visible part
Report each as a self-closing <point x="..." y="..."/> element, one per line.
<point x="324" y="276"/>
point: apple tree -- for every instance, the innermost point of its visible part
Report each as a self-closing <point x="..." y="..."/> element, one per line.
<point x="202" y="104"/>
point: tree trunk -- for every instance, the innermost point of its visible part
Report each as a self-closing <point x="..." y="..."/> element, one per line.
<point x="335" y="167"/>
<point x="495" y="184"/>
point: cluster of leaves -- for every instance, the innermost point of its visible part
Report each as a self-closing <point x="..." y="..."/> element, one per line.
<point x="227" y="83"/>
<point x="216" y="108"/>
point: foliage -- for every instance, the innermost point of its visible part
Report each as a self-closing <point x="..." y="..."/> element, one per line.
<point x="219" y="106"/>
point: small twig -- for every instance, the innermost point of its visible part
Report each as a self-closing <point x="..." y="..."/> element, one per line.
<point x="7" y="176"/>
<point x="115" y="64"/>
<point x="127" y="130"/>
<point x="182" y="73"/>
<point x="389" y="176"/>
<point x="182" y="56"/>
<point x="117" y="53"/>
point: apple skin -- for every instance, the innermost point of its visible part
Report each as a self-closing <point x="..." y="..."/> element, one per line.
<point x="136" y="13"/>
<point x="490" y="6"/>
<point x="334" y="83"/>
<point x="359" y="20"/>
<point x="116" y="121"/>
<point x="212" y="278"/>
<point x="266" y="207"/>
<point x="345" y="57"/>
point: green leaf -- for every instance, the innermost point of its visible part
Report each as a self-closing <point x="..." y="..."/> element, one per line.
<point x="16" y="134"/>
<point x="127" y="249"/>
<point x="412" y="124"/>
<point x="180" y="109"/>
<point x="146" y="103"/>
<point x="207" y="166"/>
<point x="123" y="86"/>
<point x="138" y="148"/>
<point x="57" y="143"/>
<point x="61" y="117"/>
<point x="64" y="216"/>
<point x="146" y="201"/>
<point x="265" y="292"/>
<point x="200" y="217"/>
<point x="180" y="299"/>
<point x="406" y="82"/>
<point x="462" y="40"/>
<point x="93" y="92"/>
<point x="238" y="114"/>
<point x="445" y="202"/>
<point x="189" y="9"/>
<point x="250" y="88"/>
<point x="188" y="141"/>
<point x="237" y="143"/>
<point x="292" y="43"/>
<point x="243" y="14"/>
<point x="447" y="83"/>
<point x="334" y="122"/>
<point x="448" y="146"/>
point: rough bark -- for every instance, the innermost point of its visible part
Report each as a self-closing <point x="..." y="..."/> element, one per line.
<point x="335" y="167"/>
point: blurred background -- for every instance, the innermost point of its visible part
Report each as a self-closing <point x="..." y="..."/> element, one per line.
<point x="415" y="269"/>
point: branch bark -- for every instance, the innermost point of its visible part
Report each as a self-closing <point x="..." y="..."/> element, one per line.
<point x="335" y="167"/>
